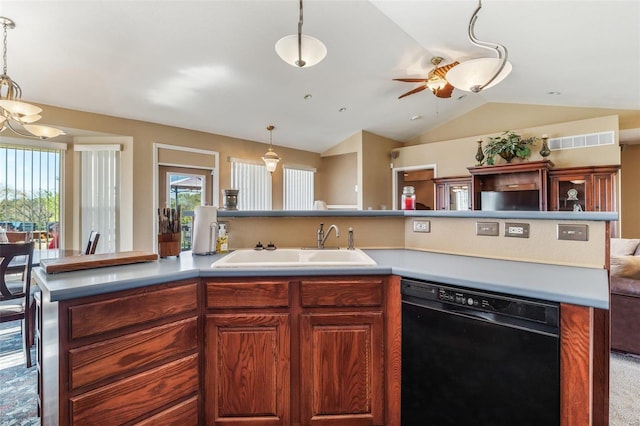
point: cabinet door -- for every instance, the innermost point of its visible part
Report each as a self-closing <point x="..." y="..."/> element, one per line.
<point x="341" y="373"/>
<point x="603" y="193"/>
<point x="247" y="369"/>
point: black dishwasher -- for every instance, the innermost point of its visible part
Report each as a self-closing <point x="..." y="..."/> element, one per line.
<point x="477" y="358"/>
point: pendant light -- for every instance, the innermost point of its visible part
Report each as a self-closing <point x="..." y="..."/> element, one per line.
<point x="16" y="115"/>
<point x="478" y="74"/>
<point x="270" y="158"/>
<point x="301" y="50"/>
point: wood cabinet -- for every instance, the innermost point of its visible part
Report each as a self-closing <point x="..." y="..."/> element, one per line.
<point x="583" y="188"/>
<point x="453" y="193"/>
<point x="131" y="357"/>
<point x="511" y="177"/>
<point x="314" y="351"/>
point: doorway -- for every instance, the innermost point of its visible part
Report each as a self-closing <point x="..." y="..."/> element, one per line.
<point x="187" y="188"/>
<point x="421" y="178"/>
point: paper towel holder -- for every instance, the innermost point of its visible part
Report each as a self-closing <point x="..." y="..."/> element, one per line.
<point x="213" y="235"/>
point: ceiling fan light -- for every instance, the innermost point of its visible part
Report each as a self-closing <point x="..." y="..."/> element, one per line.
<point x="19" y="108"/>
<point x="476" y="72"/>
<point x="436" y="83"/>
<point x="43" y="132"/>
<point x="313" y="50"/>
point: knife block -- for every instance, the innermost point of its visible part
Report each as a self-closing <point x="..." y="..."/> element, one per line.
<point x="169" y="244"/>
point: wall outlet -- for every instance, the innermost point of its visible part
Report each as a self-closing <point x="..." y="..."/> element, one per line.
<point x="487" y="228"/>
<point x="573" y="232"/>
<point x="421" y="226"/>
<point x="518" y="230"/>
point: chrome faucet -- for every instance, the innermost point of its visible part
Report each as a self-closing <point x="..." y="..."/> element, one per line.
<point x="322" y="237"/>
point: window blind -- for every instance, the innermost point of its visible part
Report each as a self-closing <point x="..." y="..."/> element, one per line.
<point x="100" y="196"/>
<point x="298" y="189"/>
<point x="254" y="184"/>
<point x="30" y="188"/>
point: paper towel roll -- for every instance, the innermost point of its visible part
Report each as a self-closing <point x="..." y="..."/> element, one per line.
<point x="205" y="225"/>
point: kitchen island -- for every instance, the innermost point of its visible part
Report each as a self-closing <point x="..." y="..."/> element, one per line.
<point x="113" y="335"/>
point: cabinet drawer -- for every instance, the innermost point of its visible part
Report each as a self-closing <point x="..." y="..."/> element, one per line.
<point x="131" y="398"/>
<point x="260" y="294"/>
<point x="116" y="313"/>
<point x="113" y="357"/>
<point x="356" y="292"/>
<point x="183" y="414"/>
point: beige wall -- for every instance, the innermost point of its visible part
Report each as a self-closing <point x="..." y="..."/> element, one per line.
<point x="376" y="172"/>
<point x="453" y="157"/>
<point x="144" y="135"/>
<point x="337" y="180"/>
<point x="496" y="117"/>
<point x="448" y="235"/>
<point x="630" y="189"/>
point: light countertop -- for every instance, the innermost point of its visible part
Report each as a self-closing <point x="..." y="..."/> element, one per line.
<point x="568" y="284"/>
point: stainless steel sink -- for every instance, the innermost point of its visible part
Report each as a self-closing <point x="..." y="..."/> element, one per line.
<point x="248" y="258"/>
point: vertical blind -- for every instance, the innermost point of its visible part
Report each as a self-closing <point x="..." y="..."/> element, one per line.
<point x="298" y="189"/>
<point x="254" y="184"/>
<point x="100" y="195"/>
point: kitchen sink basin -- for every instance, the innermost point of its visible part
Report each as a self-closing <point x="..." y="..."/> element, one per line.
<point x="248" y="258"/>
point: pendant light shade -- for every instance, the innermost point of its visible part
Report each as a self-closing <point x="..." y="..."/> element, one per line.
<point x="270" y="158"/>
<point x="300" y="50"/>
<point x="313" y="50"/>
<point x="476" y="72"/>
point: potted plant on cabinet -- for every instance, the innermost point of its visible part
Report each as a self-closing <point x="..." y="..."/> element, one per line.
<point x="508" y="145"/>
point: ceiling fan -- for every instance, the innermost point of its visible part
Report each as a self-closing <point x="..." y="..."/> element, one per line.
<point x="435" y="81"/>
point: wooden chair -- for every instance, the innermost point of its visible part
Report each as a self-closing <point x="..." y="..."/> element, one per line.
<point x="92" y="244"/>
<point x="16" y="300"/>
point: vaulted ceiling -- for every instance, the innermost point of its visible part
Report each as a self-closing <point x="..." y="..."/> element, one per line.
<point x="211" y="65"/>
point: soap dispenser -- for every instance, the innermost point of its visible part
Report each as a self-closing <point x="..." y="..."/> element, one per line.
<point x="222" y="243"/>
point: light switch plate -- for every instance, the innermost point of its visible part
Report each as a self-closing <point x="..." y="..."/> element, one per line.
<point x="573" y="232"/>
<point x="518" y="230"/>
<point x="487" y="228"/>
<point x="421" y="226"/>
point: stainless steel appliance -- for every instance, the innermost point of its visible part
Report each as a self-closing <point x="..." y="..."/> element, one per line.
<point x="477" y="358"/>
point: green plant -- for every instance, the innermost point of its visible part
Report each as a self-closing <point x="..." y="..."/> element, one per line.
<point x="508" y="146"/>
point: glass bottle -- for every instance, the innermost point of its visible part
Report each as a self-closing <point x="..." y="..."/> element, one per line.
<point x="408" y="198"/>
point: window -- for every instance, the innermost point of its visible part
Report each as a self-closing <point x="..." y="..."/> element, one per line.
<point x="254" y="184"/>
<point x="100" y="194"/>
<point x="298" y="188"/>
<point x="30" y="197"/>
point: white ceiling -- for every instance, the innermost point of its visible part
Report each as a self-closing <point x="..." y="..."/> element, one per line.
<point x="211" y="65"/>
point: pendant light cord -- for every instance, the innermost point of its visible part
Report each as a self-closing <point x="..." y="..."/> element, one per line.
<point x="503" y="54"/>
<point x="300" y="62"/>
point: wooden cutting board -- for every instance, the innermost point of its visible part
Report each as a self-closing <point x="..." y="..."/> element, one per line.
<point x="90" y="261"/>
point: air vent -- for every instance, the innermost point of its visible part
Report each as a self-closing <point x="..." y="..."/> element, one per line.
<point x="582" y="141"/>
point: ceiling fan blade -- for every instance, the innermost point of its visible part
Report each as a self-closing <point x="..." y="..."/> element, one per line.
<point x="445" y="92"/>
<point x="411" y="92"/>
<point x="411" y="80"/>
<point x="442" y="71"/>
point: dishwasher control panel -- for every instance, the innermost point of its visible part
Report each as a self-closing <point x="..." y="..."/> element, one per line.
<point x="499" y="304"/>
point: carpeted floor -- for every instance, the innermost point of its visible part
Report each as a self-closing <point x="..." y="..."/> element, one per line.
<point x="18" y="384"/>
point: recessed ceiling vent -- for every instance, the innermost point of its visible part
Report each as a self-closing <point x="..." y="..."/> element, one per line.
<point x="582" y="141"/>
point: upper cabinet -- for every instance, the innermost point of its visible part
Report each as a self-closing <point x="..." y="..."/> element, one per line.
<point x="453" y="193"/>
<point x="583" y="189"/>
<point x="512" y="186"/>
